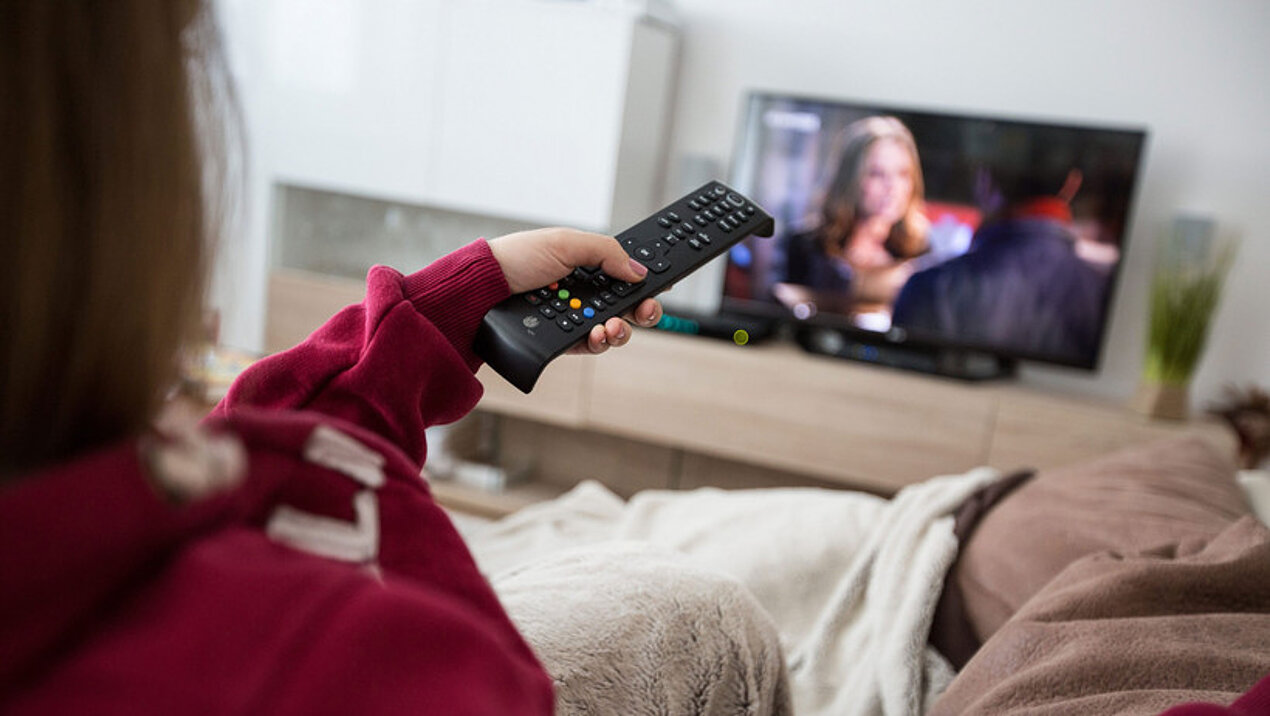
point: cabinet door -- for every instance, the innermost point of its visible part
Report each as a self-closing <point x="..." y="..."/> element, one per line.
<point x="1045" y="431"/>
<point x="530" y="102"/>
<point x="347" y="94"/>
<point x="774" y="406"/>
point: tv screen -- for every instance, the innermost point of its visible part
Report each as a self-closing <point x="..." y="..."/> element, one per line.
<point x="934" y="229"/>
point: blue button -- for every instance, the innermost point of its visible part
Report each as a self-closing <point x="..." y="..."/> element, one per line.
<point x="588" y="312"/>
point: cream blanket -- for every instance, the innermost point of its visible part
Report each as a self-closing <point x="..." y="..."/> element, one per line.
<point x="850" y="579"/>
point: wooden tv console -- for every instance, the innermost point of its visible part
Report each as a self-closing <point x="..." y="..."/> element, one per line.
<point x="681" y="411"/>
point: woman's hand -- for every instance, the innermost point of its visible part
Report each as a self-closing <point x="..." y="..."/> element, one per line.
<point x="533" y="259"/>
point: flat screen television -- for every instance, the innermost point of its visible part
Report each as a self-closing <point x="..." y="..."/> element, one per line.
<point x="933" y="231"/>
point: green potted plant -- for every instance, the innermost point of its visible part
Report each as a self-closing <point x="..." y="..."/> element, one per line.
<point x="1185" y="291"/>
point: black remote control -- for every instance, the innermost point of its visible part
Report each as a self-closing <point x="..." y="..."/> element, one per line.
<point x="521" y="335"/>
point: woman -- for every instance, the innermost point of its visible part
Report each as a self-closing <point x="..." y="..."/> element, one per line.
<point x="871" y="223"/>
<point x="283" y="557"/>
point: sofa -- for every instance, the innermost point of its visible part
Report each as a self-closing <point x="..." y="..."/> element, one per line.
<point x="1127" y="584"/>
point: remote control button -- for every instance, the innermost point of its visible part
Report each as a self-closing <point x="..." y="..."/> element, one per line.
<point x="601" y="280"/>
<point x="621" y="288"/>
<point x="588" y="312"/>
<point x="720" y="191"/>
<point x="738" y="218"/>
<point x="686" y="226"/>
<point x="597" y="303"/>
<point x="563" y="293"/>
<point x="696" y="205"/>
<point x="559" y="305"/>
<point x="576" y="317"/>
<point x="608" y="298"/>
<point x="725" y="226"/>
<point x="532" y="299"/>
<point x="704" y="199"/>
<point x="749" y="210"/>
<point x="694" y="244"/>
<point x="667" y="237"/>
<point x="575" y="302"/>
<point x="659" y="265"/>
<point x="664" y="222"/>
<point x="671" y="241"/>
<point x="644" y="253"/>
<point x="735" y="200"/>
<point x="543" y="293"/>
<point x="701" y="220"/>
<point x="703" y="237"/>
<point x="565" y="324"/>
<point x="672" y="216"/>
<point x="547" y="311"/>
<point x="580" y="274"/>
<point x="679" y="233"/>
<point x="554" y="285"/>
<point x="659" y="247"/>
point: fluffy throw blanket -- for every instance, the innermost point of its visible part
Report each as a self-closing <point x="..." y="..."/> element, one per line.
<point x="628" y="628"/>
<point x="850" y="580"/>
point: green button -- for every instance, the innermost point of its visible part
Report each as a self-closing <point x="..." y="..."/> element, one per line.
<point x="563" y="294"/>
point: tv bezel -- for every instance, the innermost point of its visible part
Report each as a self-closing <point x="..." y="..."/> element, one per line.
<point x="772" y="311"/>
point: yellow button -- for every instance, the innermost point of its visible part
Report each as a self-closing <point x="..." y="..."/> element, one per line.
<point x="575" y="303"/>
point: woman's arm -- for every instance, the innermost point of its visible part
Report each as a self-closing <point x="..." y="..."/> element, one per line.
<point x="395" y="363"/>
<point x="402" y="359"/>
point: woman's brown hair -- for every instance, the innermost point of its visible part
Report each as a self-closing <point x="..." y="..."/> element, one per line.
<point x="842" y="198"/>
<point x="107" y="214"/>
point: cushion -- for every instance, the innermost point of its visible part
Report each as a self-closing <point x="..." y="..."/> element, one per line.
<point x="1173" y="491"/>
<point x="951" y="632"/>
<point x="1131" y="634"/>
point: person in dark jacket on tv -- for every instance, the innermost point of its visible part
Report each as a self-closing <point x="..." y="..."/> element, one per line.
<point x="1021" y="287"/>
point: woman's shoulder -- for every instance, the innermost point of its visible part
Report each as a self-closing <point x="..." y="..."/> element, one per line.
<point x="803" y="236"/>
<point x="804" y="244"/>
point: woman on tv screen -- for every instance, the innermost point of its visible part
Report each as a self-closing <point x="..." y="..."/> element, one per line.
<point x="871" y="225"/>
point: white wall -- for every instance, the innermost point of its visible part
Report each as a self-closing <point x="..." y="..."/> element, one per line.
<point x="1197" y="74"/>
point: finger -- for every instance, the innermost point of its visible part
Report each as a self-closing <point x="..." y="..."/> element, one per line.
<point x="648" y="313"/>
<point x="597" y="341"/>
<point x="617" y="332"/>
<point x="583" y="249"/>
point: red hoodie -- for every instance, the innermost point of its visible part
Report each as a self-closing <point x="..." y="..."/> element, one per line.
<point x="328" y="582"/>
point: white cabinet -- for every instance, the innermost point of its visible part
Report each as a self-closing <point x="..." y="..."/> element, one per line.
<point x="346" y="94"/>
<point x="536" y="112"/>
<point x="539" y="110"/>
<point x="549" y="109"/>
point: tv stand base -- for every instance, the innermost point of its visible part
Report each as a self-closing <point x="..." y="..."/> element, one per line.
<point x="956" y="363"/>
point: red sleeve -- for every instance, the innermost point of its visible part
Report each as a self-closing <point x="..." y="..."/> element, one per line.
<point x="396" y="363"/>
<point x="393" y="653"/>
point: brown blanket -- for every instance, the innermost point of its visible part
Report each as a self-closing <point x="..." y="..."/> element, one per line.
<point x="1131" y="634"/>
